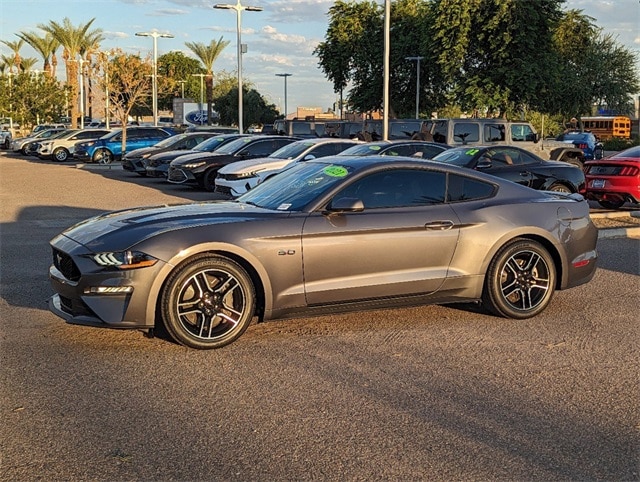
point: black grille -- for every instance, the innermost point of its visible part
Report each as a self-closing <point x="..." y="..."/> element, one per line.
<point x="65" y="265"/>
<point x="223" y="190"/>
<point x="75" y="307"/>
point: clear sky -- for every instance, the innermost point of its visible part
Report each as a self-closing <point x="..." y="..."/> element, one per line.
<point x="280" y="39"/>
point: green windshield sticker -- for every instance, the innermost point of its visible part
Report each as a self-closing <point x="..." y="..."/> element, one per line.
<point x="335" y="171"/>
<point x="471" y="152"/>
<point x="374" y="148"/>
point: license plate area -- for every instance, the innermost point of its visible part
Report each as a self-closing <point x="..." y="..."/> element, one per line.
<point x="598" y="183"/>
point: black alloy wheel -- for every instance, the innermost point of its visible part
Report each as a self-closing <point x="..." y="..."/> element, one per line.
<point x="520" y="281"/>
<point x="208" y="302"/>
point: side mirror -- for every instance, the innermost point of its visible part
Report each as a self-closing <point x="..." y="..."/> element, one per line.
<point x="484" y="163"/>
<point x="346" y="204"/>
<point x="309" y="157"/>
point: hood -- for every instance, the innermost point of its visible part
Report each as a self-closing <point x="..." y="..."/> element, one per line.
<point x="254" y="164"/>
<point x="120" y="230"/>
<point x="196" y="156"/>
<point x="172" y="154"/>
<point x="140" y="152"/>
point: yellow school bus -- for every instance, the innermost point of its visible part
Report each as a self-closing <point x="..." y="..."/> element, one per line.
<point x="607" y="127"/>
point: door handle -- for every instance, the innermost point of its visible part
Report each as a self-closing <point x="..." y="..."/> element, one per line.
<point x="439" y="225"/>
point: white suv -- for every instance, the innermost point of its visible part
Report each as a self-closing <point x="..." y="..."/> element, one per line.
<point x="61" y="148"/>
<point x="238" y="177"/>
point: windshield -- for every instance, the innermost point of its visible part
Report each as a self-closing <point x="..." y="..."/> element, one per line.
<point x="291" y="150"/>
<point x="169" y="141"/>
<point x="210" y="144"/>
<point x="577" y="136"/>
<point x="368" y="149"/>
<point x="294" y="188"/>
<point x="234" y="146"/>
<point x="461" y="156"/>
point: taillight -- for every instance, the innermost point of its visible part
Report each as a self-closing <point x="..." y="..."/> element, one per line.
<point x="582" y="146"/>
<point x="629" y="171"/>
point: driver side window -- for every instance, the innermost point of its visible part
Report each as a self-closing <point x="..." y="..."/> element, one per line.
<point x="398" y="188"/>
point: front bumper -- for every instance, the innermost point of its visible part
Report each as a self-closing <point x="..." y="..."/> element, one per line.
<point x="86" y="294"/>
<point x="178" y="175"/>
<point x="235" y="187"/>
<point x="135" y="164"/>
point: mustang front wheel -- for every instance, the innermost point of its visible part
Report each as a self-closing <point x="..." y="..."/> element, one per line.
<point x="208" y="302"/>
<point x="520" y="281"/>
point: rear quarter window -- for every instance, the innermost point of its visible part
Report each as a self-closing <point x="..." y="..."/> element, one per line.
<point x="462" y="188"/>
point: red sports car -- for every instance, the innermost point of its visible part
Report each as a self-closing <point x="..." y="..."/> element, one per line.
<point x="614" y="180"/>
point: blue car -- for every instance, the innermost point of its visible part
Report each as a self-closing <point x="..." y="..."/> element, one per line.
<point x="109" y="147"/>
<point x="591" y="147"/>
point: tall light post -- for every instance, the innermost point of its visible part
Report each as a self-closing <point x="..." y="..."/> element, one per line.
<point x="81" y="63"/>
<point x="285" y="92"/>
<point x="417" y="59"/>
<point x="155" y="36"/>
<point x="201" y="106"/>
<point x="238" y="7"/>
<point x="182" y="82"/>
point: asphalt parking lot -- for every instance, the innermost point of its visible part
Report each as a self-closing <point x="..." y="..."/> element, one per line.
<point x="434" y="393"/>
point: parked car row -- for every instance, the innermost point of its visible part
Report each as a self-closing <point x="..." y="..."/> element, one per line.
<point x="232" y="164"/>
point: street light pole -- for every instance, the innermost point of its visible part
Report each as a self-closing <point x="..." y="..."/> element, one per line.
<point x="285" y="92"/>
<point x="154" y="79"/>
<point x="201" y="106"/>
<point x="81" y="62"/>
<point x="238" y="7"/>
<point x="417" y="59"/>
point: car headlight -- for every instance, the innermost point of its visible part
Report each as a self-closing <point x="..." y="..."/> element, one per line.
<point x="243" y="175"/>
<point x="193" y="165"/>
<point x="124" y="259"/>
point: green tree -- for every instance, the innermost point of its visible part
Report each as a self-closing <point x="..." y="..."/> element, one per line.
<point x="257" y="109"/>
<point x="76" y="42"/>
<point x="35" y="98"/>
<point x="495" y="53"/>
<point x="175" y="71"/>
<point x="208" y="54"/>
<point x="591" y="68"/>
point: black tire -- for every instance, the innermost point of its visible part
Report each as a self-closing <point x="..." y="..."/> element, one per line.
<point x="520" y="281"/>
<point x="609" y="204"/>
<point x="574" y="161"/>
<point x="102" y="156"/>
<point x="598" y="153"/>
<point x="7" y="143"/>
<point x="209" y="179"/>
<point x="60" y="154"/>
<point x="559" y="187"/>
<point x="208" y="302"/>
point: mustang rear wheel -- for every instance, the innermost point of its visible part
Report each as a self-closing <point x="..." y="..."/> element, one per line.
<point x="208" y="302"/>
<point x="520" y="281"/>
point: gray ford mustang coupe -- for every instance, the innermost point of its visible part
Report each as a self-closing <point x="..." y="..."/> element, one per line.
<point x="332" y="234"/>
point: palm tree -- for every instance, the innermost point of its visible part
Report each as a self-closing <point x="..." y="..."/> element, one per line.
<point x="75" y="42"/>
<point x="27" y="63"/>
<point x="208" y="54"/>
<point x="46" y="46"/>
<point x="15" y="46"/>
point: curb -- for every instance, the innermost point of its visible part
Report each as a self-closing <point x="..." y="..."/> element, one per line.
<point x="609" y="233"/>
<point x="98" y="166"/>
